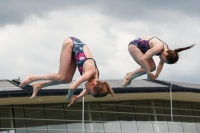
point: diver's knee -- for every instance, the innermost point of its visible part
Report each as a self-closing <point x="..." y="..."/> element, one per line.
<point x="67" y="42"/>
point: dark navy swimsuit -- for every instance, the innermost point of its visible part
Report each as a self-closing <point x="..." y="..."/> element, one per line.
<point x="79" y="55"/>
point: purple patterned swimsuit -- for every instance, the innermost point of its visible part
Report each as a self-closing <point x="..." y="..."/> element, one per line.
<point x="79" y="55"/>
<point x="143" y="45"/>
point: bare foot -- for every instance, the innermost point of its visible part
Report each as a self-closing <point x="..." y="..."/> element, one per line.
<point x="26" y="81"/>
<point x="36" y="88"/>
<point x="127" y="81"/>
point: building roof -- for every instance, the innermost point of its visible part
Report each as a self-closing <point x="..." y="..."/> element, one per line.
<point x="138" y="89"/>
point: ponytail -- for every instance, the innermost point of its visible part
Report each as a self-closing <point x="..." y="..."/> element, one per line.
<point x="184" y="48"/>
<point x="172" y="55"/>
<point x="110" y="90"/>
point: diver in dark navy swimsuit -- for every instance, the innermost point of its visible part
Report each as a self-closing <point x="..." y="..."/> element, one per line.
<point x="143" y="49"/>
<point x="74" y="54"/>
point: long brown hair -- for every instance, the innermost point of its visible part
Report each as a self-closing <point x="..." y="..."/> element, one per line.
<point x="102" y="89"/>
<point x="172" y="55"/>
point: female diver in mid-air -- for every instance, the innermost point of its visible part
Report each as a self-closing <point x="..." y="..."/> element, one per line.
<point x="74" y="53"/>
<point x="143" y="49"/>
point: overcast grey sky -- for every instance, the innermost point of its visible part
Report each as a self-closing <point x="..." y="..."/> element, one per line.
<point x="32" y="33"/>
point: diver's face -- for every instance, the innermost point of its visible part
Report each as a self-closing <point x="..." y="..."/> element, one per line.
<point x="163" y="56"/>
<point x="90" y="84"/>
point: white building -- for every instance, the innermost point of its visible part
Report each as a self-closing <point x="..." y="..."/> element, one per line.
<point x="143" y="107"/>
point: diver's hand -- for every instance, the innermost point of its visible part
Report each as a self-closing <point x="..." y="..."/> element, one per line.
<point x="73" y="99"/>
<point x="155" y="76"/>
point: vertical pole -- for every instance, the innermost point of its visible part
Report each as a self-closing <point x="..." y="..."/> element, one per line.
<point x="171" y="107"/>
<point x="154" y="111"/>
<point x="12" y="130"/>
<point x="155" y="117"/>
<point x="83" y="125"/>
<point x="90" y="118"/>
<point x="171" y="102"/>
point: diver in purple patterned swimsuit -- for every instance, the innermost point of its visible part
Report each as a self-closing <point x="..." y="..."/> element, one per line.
<point x="74" y="54"/>
<point x="143" y="49"/>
